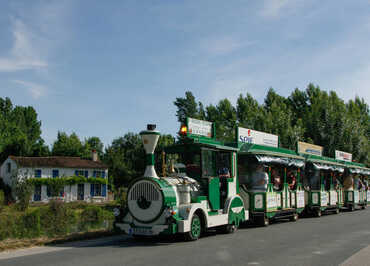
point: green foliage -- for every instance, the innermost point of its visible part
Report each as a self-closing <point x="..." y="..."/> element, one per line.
<point x="56" y="184"/>
<point x="7" y="191"/>
<point x="95" y="144"/>
<point x="125" y="158"/>
<point x="92" y="214"/>
<point x="2" y="200"/>
<point x="57" y="218"/>
<point x="20" y="131"/>
<point x="23" y="189"/>
<point x="188" y="107"/>
<point x="31" y="225"/>
<point x="70" y="146"/>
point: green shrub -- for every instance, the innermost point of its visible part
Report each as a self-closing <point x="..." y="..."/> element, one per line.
<point x="57" y="218"/>
<point x="92" y="214"/>
<point x="24" y="190"/>
<point x="2" y="200"/>
<point x="31" y="225"/>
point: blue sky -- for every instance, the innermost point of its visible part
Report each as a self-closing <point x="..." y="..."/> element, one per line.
<point x="104" y="68"/>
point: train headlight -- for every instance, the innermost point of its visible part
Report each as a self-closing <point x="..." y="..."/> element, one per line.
<point x="170" y="212"/>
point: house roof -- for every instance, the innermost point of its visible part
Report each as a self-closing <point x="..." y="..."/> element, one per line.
<point x="57" y="161"/>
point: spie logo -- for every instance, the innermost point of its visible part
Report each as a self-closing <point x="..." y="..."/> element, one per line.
<point x="246" y="139"/>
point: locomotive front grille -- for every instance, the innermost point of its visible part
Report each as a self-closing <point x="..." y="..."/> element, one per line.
<point x="145" y="200"/>
<point x="146" y="190"/>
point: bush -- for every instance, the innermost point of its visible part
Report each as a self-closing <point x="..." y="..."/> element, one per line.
<point x="7" y="191"/>
<point x="57" y="218"/>
<point x="24" y="190"/>
<point x="2" y="200"/>
<point x="31" y="226"/>
<point x="92" y="214"/>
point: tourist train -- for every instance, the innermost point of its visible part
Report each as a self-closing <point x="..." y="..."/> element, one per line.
<point x="206" y="183"/>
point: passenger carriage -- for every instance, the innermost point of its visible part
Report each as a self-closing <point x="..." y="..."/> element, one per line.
<point x="355" y="190"/>
<point x="200" y="190"/>
<point x="323" y="190"/>
<point x="263" y="177"/>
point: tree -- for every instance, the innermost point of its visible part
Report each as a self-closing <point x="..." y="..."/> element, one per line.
<point x="224" y="116"/>
<point x="188" y="107"/>
<point x="96" y="144"/>
<point x="23" y="190"/>
<point x="20" y="131"/>
<point x="249" y="113"/>
<point x="70" y="146"/>
<point x="125" y="158"/>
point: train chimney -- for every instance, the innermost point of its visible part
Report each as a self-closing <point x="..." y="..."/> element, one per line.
<point x="150" y="139"/>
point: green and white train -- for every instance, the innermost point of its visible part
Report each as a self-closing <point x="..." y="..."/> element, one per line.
<point x="209" y="184"/>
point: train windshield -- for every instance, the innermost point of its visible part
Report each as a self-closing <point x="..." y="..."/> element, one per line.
<point x="252" y="175"/>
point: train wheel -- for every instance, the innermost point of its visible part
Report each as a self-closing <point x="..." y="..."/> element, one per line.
<point x="352" y="208"/>
<point x="230" y="228"/>
<point x="195" y="229"/>
<point x="318" y="213"/>
<point x="264" y="221"/>
<point x="363" y="207"/>
<point x="294" y="218"/>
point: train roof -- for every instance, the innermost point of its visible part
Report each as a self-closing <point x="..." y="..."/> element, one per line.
<point x="272" y="155"/>
<point x="267" y="150"/>
<point x="196" y="144"/>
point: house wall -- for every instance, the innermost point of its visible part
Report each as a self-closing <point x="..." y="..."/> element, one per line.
<point x="5" y="174"/>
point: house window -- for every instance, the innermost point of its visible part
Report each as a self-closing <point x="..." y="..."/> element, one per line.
<point x="56" y="173"/>
<point x="96" y="190"/>
<point x="100" y="174"/>
<point x="82" y="173"/>
<point x="48" y="192"/>
<point x="37" y="194"/>
<point x="38" y="173"/>
<point x="8" y="167"/>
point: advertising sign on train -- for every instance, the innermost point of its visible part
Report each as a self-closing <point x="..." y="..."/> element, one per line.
<point x="246" y="135"/>
<point x="200" y="127"/>
<point x="344" y="156"/>
<point x="307" y="148"/>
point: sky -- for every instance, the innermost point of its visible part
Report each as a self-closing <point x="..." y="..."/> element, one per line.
<point x="106" y="68"/>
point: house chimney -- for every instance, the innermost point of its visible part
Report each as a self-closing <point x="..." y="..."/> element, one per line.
<point x="94" y="155"/>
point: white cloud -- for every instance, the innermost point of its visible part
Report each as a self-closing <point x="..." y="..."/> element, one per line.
<point x="36" y="90"/>
<point x="228" y="88"/>
<point x="26" y="52"/>
<point x="273" y="9"/>
<point x="223" y="45"/>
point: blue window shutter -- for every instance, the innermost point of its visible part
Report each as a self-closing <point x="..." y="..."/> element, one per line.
<point x="92" y="188"/>
<point x="76" y="173"/>
<point x="94" y="174"/>
<point x="86" y="174"/>
<point x="103" y="174"/>
<point x="104" y="190"/>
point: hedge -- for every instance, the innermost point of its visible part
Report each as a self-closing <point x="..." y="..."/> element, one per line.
<point x="72" y="180"/>
<point x="55" y="219"/>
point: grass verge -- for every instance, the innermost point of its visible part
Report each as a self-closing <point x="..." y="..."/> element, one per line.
<point x="11" y="244"/>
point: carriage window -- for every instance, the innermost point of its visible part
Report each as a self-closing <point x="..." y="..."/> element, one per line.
<point x="223" y="164"/>
<point x="208" y="163"/>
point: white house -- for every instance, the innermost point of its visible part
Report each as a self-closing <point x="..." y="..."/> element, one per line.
<point x="56" y="167"/>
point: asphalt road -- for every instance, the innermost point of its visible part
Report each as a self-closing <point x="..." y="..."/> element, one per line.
<point x="329" y="240"/>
